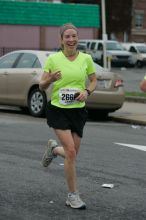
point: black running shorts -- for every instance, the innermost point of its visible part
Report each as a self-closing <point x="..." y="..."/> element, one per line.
<point x="73" y="119"/>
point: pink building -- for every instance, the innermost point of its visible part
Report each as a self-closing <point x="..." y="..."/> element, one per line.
<point x="35" y="25"/>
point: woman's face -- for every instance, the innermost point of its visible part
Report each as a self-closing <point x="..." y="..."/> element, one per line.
<point x="69" y="39"/>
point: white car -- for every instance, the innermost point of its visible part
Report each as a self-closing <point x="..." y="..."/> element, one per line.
<point x="138" y="51"/>
<point x="118" y="55"/>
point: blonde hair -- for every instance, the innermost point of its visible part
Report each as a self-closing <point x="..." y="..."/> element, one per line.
<point x="66" y="27"/>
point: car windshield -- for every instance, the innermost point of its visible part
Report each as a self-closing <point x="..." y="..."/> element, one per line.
<point x="114" y="46"/>
<point x="141" y="49"/>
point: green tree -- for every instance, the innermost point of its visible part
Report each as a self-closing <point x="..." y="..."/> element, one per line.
<point x="118" y="16"/>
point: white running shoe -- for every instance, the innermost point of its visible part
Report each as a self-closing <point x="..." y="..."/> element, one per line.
<point x="74" y="201"/>
<point x="48" y="155"/>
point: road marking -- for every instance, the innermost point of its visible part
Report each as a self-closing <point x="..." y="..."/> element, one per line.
<point x="138" y="147"/>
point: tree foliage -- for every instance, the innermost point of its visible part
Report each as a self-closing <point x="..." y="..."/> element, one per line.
<point x="118" y="15"/>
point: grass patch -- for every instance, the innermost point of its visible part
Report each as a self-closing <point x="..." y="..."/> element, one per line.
<point x="135" y="94"/>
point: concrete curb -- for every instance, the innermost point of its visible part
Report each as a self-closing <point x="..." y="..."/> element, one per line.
<point x="132" y="121"/>
<point x="131" y="115"/>
<point x="135" y="99"/>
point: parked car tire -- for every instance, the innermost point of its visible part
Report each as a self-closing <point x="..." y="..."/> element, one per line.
<point x="37" y="102"/>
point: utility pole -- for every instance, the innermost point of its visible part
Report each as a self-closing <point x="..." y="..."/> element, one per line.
<point x="104" y="35"/>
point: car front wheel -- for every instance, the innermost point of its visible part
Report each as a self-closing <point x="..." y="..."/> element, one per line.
<point x="37" y="103"/>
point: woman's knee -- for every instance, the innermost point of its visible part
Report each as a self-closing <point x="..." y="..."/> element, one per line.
<point x="70" y="152"/>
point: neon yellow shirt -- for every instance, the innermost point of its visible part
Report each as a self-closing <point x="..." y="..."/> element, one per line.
<point x="145" y="77"/>
<point x="73" y="78"/>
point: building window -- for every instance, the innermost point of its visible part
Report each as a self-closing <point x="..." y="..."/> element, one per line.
<point x="139" y="19"/>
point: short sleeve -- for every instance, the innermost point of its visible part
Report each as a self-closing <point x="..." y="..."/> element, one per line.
<point x="48" y="65"/>
<point x="90" y="65"/>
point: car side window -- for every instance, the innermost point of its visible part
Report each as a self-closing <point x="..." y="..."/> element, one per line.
<point x="100" y="47"/>
<point x="27" y="60"/>
<point x="8" y="61"/>
<point x="92" y="45"/>
<point x="37" y="64"/>
<point x="132" y="49"/>
<point x="88" y="44"/>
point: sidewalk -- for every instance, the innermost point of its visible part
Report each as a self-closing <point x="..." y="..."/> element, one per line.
<point x="131" y="112"/>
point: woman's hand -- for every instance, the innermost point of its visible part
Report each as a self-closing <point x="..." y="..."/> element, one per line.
<point x="48" y="78"/>
<point x="55" y="76"/>
<point x="82" y="96"/>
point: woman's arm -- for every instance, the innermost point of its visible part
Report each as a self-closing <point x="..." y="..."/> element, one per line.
<point x="93" y="82"/>
<point x="91" y="87"/>
<point x="143" y="85"/>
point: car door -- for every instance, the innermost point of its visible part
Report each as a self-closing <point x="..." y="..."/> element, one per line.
<point x="134" y="52"/>
<point x="93" y="50"/>
<point x="22" y="78"/>
<point x="6" y="67"/>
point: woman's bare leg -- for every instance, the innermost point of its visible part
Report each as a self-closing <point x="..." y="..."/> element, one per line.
<point x="69" y="142"/>
<point x="59" y="150"/>
<point x="77" y="141"/>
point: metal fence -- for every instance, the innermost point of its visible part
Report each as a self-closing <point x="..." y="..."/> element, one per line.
<point x="5" y="50"/>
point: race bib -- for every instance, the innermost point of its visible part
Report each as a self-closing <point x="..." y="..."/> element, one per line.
<point x="66" y="96"/>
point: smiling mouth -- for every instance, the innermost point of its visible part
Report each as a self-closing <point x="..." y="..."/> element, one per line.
<point x="71" y="45"/>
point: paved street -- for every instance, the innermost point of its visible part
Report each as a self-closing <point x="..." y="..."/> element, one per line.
<point x="29" y="191"/>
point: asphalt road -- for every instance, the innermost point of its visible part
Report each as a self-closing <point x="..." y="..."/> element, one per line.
<point x="28" y="191"/>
